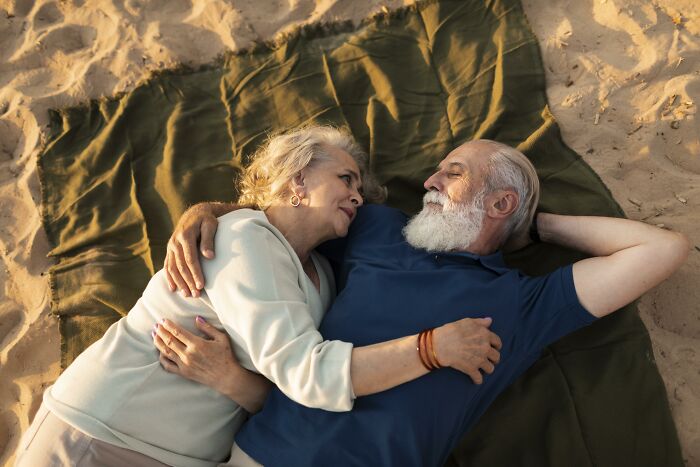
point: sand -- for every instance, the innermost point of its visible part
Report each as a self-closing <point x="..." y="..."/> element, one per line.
<point x="623" y="81"/>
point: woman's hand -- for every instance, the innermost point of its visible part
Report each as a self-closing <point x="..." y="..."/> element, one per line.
<point x="182" y="268"/>
<point x="469" y="346"/>
<point x="209" y="361"/>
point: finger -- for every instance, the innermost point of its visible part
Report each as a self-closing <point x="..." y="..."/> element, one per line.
<point x="189" y="251"/>
<point x="184" y="270"/>
<point x="495" y="341"/>
<point x="488" y="367"/>
<point x="174" y="273"/>
<point x="165" y="351"/>
<point x="209" y="330"/>
<point x="171" y="343"/>
<point x="483" y="321"/>
<point x="168" y="365"/>
<point x="476" y="377"/>
<point x="493" y="355"/>
<point x="171" y="283"/>
<point x="206" y="242"/>
<point x="179" y="333"/>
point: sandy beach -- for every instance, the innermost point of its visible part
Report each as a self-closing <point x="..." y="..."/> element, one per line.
<point x="623" y="80"/>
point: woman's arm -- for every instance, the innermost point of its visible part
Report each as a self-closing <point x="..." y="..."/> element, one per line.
<point x="466" y="345"/>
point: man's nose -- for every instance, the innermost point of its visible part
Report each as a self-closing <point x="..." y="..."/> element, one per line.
<point x="432" y="183"/>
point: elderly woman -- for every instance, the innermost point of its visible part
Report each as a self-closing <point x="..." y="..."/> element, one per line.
<point x="268" y="290"/>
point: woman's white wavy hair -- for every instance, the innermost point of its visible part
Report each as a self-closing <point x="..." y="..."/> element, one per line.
<point x="286" y="154"/>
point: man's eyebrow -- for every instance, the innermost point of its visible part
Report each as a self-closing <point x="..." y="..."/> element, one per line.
<point x="453" y="165"/>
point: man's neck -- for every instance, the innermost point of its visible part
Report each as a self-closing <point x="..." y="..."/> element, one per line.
<point x="489" y="240"/>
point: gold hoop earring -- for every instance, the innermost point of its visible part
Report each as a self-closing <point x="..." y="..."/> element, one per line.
<point x="295" y="200"/>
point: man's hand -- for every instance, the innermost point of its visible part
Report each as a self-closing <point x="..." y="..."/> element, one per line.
<point x="182" y="267"/>
<point x="469" y="346"/>
<point x="209" y="361"/>
<point x="204" y="360"/>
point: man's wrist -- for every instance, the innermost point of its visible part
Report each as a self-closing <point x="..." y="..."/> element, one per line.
<point x="544" y="223"/>
<point x="215" y="208"/>
<point x="230" y="382"/>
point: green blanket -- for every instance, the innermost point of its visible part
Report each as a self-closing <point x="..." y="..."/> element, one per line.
<point x="411" y="85"/>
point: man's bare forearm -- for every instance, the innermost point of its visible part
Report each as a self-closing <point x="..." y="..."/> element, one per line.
<point x="217" y="208"/>
<point x="599" y="236"/>
<point x="247" y="389"/>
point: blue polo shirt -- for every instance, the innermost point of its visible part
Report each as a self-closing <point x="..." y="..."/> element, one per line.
<point x="390" y="290"/>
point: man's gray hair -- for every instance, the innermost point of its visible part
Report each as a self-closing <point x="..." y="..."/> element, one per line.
<point x="509" y="168"/>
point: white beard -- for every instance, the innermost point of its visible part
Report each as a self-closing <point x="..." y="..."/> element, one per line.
<point x="454" y="227"/>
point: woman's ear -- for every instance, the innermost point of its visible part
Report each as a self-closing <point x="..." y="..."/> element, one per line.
<point x="502" y="204"/>
<point x="297" y="185"/>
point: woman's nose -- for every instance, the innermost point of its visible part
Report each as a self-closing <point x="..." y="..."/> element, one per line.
<point x="356" y="198"/>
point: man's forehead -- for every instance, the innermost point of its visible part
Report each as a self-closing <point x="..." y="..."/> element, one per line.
<point x="468" y="155"/>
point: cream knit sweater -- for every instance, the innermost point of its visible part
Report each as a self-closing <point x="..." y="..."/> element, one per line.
<point x="257" y="291"/>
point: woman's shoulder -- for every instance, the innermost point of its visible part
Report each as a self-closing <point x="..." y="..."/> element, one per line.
<point x="246" y="222"/>
<point x="248" y="231"/>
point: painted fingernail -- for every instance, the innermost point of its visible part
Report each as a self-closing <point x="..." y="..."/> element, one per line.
<point x="162" y="321"/>
<point x="199" y="319"/>
<point x="153" y="334"/>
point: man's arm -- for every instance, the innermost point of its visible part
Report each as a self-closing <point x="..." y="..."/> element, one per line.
<point x="197" y="224"/>
<point x="630" y="257"/>
<point x="210" y="361"/>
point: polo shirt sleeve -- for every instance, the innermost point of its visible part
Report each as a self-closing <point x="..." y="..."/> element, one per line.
<point x="549" y="309"/>
<point x="254" y="286"/>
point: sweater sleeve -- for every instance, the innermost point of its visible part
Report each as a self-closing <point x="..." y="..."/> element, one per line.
<point x="255" y="287"/>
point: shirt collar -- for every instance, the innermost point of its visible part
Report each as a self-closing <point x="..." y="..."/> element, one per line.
<point x="494" y="261"/>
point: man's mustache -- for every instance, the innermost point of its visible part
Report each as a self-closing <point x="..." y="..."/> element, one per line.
<point x="434" y="197"/>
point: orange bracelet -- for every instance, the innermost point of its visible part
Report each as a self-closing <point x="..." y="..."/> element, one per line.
<point x="435" y="361"/>
<point x="422" y="353"/>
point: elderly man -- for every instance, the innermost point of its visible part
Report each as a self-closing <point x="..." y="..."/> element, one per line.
<point x="401" y="276"/>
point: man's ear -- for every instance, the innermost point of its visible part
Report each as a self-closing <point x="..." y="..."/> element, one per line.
<point x="502" y="204"/>
<point x="297" y="186"/>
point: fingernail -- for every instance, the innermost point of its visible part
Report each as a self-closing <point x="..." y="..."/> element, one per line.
<point x="155" y="326"/>
<point x="199" y="285"/>
<point x="199" y="319"/>
<point x="162" y="320"/>
<point x="195" y="293"/>
<point x="153" y="334"/>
